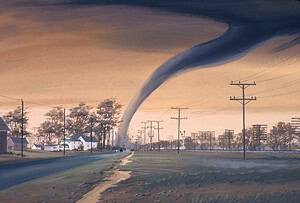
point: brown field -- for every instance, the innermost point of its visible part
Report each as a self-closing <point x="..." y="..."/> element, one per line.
<point x="209" y="177"/>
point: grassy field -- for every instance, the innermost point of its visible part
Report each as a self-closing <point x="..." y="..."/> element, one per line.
<point x="34" y="155"/>
<point x="63" y="187"/>
<point x="217" y="177"/>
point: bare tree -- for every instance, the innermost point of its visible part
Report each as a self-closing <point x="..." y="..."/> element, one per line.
<point x="108" y="116"/>
<point x="188" y="143"/>
<point x="53" y="126"/>
<point x="78" y="120"/>
<point x="14" y="121"/>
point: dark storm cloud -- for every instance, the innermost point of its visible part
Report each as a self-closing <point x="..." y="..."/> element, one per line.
<point x="250" y="22"/>
<point x="246" y="32"/>
<point x="229" y="11"/>
<point x="288" y="45"/>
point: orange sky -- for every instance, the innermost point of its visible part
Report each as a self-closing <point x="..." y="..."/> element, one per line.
<point x="63" y="56"/>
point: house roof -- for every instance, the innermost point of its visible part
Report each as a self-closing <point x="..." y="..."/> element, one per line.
<point x="84" y="137"/>
<point x="74" y="138"/>
<point x="18" y="140"/>
<point x="88" y="138"/>
<point x="3" y="126"/>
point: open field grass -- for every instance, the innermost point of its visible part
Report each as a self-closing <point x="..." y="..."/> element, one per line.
<point x="30" y="155"/>
<point x="62" y="187"/>
<point x="209" y="177"/>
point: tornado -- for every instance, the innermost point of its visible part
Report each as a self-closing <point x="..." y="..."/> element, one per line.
<point x="237" y="41"/>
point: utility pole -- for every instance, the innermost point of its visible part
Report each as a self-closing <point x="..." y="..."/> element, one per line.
<point x="295" y="130"/>
<point x="158" y="128"/>
<point x="22" y="127"/>
<point x="112" y="137"/>
<point x="228" y="135"/>
<point x="178" y="118"/>
<point x="144" y="128"/>
<point x="244" y="101"/>
<point x="194" y="140"/>
<point x="139" y="140"/>
<point x="151" y="132"/>
<point x="259" y="135"/>
<point x="140" y="133"/>
<point x="64" y="131"/>
<point x="91" y="134"/>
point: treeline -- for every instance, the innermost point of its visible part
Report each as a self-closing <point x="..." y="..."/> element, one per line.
<point x="282" y="136"/>
<point x="79" y="120"/>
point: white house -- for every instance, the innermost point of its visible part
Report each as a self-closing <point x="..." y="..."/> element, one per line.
<point x="83" y="142"/>
<point x="73" y="142"/>
<point x="86" y="142"/>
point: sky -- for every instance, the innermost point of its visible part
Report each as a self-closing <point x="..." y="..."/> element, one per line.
<point x="62" y="55"/>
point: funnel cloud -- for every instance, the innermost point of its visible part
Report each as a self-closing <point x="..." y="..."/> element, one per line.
<point x="242" y="35"/>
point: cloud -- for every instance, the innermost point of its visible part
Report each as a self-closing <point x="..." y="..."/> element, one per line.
<point x="287" y="45"/>
<point x="244" y="34"/>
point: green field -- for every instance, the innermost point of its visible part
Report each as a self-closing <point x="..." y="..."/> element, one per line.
<point x="209" y="177"/>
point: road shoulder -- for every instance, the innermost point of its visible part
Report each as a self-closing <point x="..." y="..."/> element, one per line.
<point x="67" y="186"/>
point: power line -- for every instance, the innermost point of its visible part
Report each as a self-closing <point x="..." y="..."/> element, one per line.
<point x="277" y="77"/>
<point x="267" y="71"/>
<point x="284" y="85"/>
<point x="281" y="94"/>
<point x="11" y="98"/>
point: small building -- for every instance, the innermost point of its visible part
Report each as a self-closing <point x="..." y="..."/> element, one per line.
<point x="88" y="143"/>
<point x="80" y="142"/>
<point x="3" y="136"/>
<point x="51" y="148"/>
<point x="73" y="142"/>
<point x="37" y="147"/>
<point x="15" y="143"/>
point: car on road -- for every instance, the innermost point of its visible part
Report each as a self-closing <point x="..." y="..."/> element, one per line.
<point x="61" y="147"/>
<point x="51" y="148"/>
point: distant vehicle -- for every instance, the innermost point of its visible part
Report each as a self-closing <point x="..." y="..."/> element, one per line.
<point x="51" y="148"/>
<point x="61" y="147"/>
<point x="37" y="147"/>
<point x="118" y="149"/>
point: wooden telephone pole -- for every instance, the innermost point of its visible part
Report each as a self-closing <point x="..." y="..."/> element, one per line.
<point x="151" y="132"/>
<point x="259" y="135"/>
<point x="158" y="129"/>
<point x="22" y="127"/>
<point x="244" y="101"/>
<point x="91" y="134"/>
<point x="144" y="129"/>
<point x="64" y="132"/>
<point x="178" y="118"/>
